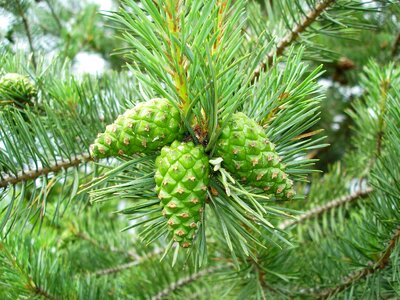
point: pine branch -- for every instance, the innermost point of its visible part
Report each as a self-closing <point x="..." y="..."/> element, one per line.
<point x="128" y="265"/>
<point x="381" y="263"/>
<point x="384" y="87"/>
<point x="184" y="281"/>
<point x="53" y="13"/>
<point x="221" y="16"/>
<point x="261" y="278"/>
<point x="396" y="45"/>
<point x="292" y="36"/>
<point x="319" y="210"/>
<point x="27" y="30"/>
<point x="30" y="284"/>
<point x="116" y="269"/>
<point x="42" y="293"/>
<point x="33" y="174"/>
<point x="86" y="237"/>
<point x="177" y="59"/>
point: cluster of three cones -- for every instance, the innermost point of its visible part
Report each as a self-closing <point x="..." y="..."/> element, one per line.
<point x="182" y="169"/>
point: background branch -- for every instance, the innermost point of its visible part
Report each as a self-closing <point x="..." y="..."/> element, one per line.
<point x="381" y="263"/>
<point x="396" y="45"/>
<point x="53" y="13"/>
<point x="317" y="211"/>
<point x="128" y="265"/>
<point x="28" y="31"/>
<point x="57" y="167"/>
<point x="42" y="293"/>
<point x="184" y="281"/>
<point x="294" y="33"/>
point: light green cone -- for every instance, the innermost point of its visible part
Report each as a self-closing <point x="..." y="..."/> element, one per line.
<point x="251" y="157"/>
<point x="182" y="176"/>
<point x="17" y="88"/>
<point x="143" y="129"/>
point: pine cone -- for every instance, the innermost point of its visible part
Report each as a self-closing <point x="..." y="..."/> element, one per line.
<point x="143" y="129"/>
<point x="17" y="88"/>
<point x="250" y="156"/>
<point x="181" y="184"/>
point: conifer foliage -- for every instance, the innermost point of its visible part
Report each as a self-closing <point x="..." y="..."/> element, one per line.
<point x="186" y="169"/>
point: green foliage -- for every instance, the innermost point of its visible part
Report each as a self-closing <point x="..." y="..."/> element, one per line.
<point x="189" y="55"/>
<point x="352" y="246"/>
<point x="75" y="228"/>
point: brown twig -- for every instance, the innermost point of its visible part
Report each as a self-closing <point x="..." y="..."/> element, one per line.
<point x="396" y="45"/>
<point x="40" y="292"/>
<point x="86" y="237"/>
<point x="30" y="284"/>
<point x="178" y="63"/>
<point x="28" y="32"/>
<point x="184" y="281"/>
<point x="317" y="211"/>
<point x="381" y="263"/>
<point x="33" y="174"/>
<point x="126" y="266"/>
<point x="116" y="269"/>
<point x="53" y="13"/>
<point x="260" y="273"/>
<point x="384" y="87"/>
<point x="294" y="33"/>
<point x="222" y="5"/>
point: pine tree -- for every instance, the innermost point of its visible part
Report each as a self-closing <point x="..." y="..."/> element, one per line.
<point x="209" y="128"/>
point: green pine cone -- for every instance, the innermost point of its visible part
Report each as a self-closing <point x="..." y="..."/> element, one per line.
<point x="182" y="178"/>
<point x="17" y="88"/>
<point x="143" y="129"/>
<point x="249" y="155"/>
